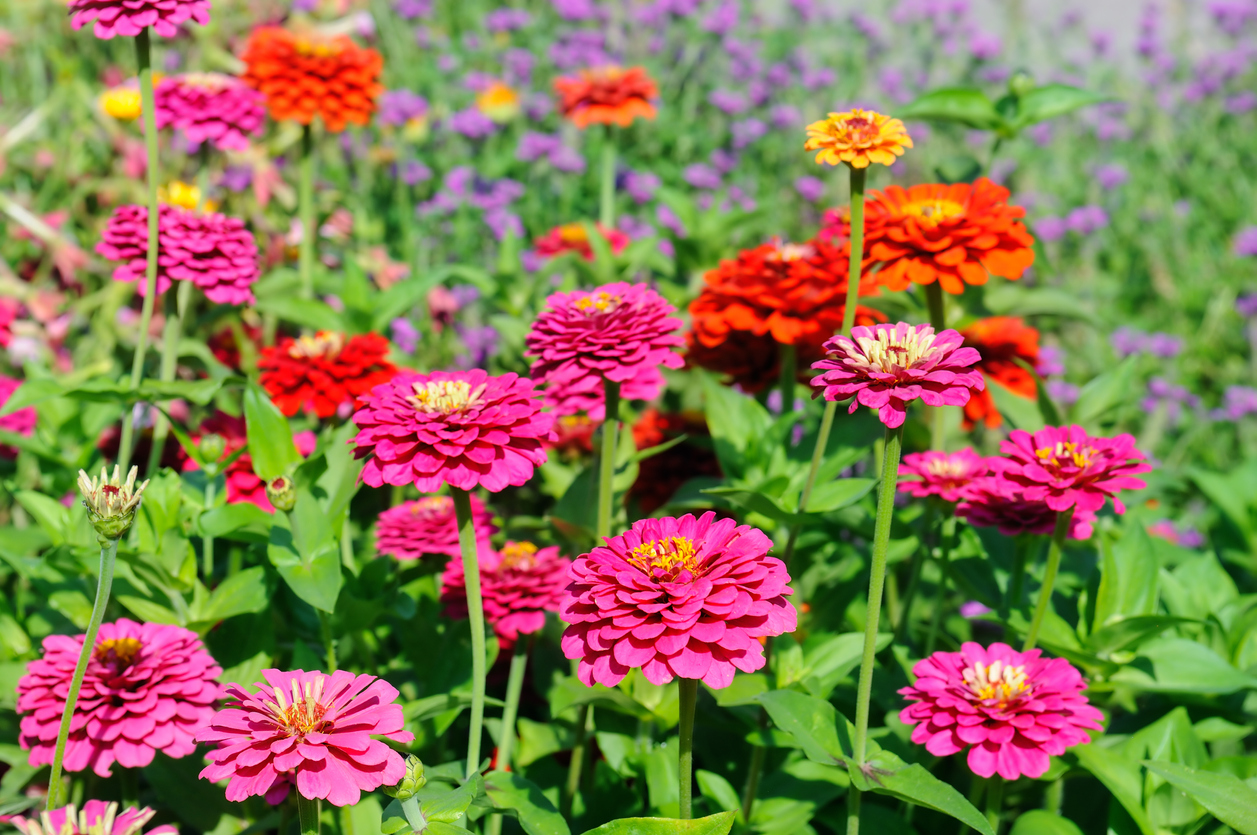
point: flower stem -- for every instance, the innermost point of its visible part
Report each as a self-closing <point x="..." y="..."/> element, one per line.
<point x="944" y="555"/>
<point x="877" y="580"/>
<point x="514" y="687"/>
<point x="1016" y="581"/>
<point x="689" y="699"/>
<point x="475" y="614"/>
<point x="786" y="379"/>
<point x="144" y="62"/>
<point x="758" y="756"/>
<point x="414" y="814"/>
<point x="104" y="582"/>
<point x="938" y="320"/>
<point x="914" y="572"/>
<point x="584" y="724"/>
<point x="606" y="203"/>
<point x="176" y="307"/>
<point x="606" y="467"/>
<point x="1063" y="518"/>
<point x="305" y="209"/>
<point x="308" y="814"/>
<point x="994" y="801"/>
<point x="329" y="643"/>
<point x="207" y="540"/>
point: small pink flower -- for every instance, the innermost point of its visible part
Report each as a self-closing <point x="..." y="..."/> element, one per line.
<point x="129" y="17"/>
<point x="210" y="107"/>
<point x="21" y="422"/>
<point x="149" y="687"/>
<point x="1014" y="708"/>
<point x="96" y="818"/>
<point x="518" y="584"/>
<point x="992" y="501"/>
<point x="311" y="729"/>
<point x="213" y="251"/>
<point x="1065" y="467"/>
<point x="886" y="366"/>
<point x="676" y="597"/>
<point x="623" y="332"/>
<point x="941" y="474"/>
<point x="462" y="428"/>
<point x="428" y="527"/>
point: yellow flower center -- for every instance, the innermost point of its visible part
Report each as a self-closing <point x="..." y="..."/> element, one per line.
<point x="887" y="352"/>
<point x="303" y="713"/>
<point x="599" y="302"/>
<point x="1081" y="456"/>
<point x="121" y="103"/>
<point x="322" y="344"/>
<point x="669" y="557"/>
<point x="521" y="555"/>
<point x="946" y="468"/>
<point x="119" y="651"/>
<point x="792" y="252"/>
<point x="184" y="195"/>
<point x="933" y="212"/>
<point x="573" y="233"/>
<point x="432" y="506"/>
<point x="445" y="396"/>
<point x="317" y="48"/>
<point x="1000" y="681"/>
<point x="573" y="423"/>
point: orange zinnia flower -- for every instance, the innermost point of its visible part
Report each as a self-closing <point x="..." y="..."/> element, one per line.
<point x="304" y="76"/>
<point x="775" y="294"/>
<point x="606" y="96"/>
<point x="1001" y="340"/>
<point x="858" y="138"/>
<point x="954" y="235"/>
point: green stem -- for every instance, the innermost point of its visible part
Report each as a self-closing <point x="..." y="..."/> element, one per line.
<point x="606" y="467"/>
<point x="758" y="755"/>
<point x="689" y="699"/>
<point x="606" y="203"/>
<point x="1063" y="519"/>
<point x="514" y="688"/>
<point x="347" y="546"/>
<point x="944" y="555"/>
<point x="853" y="811"/>
<point x="1017" y="580"/>
<point x="308" y="815"/>
<point x="976" y="787"/>
<point x="144" y="62"/>
<point x="938" y="320"/>
<point x="104" y="582"/>
<point x="856" y="266"/>
<point x="994" y="802"/>
<point x="786" y="378"/>
<point x="176" y="306"/>
<point x="475" y="614"/>
<point x="584" y="723"/>
<point x="329" y="643"/>
<point x="305" y="209"/>
<point x="914" y="573"/>
<point x="207" y="539"/>
<point x="414" y="814"/>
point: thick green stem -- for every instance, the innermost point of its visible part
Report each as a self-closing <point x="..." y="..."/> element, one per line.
<point x="606" y="466"/>
<point x="994" y="802"/>
<point x="414" y="814"/>
<point x="176" y="307"/>
<point x="144" y="62"/>
<point x="689" y="699"/>
<point x="207" y="539"/>
<point x="305" y="209"/>
<point x="856" y="266"/>
<point x="475" y="614"/>
<point x="1049" y="577"/>
<point x="308" y="815"/>
<point x="514" y="688"/>
<point x="853" y="811"/>
<point x="606" y="202"/>
<point x="758" y="756"/>
<point x="104" y="582"/>
<point x="938" y="320"/>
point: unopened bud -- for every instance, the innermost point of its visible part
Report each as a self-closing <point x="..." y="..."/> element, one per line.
<point x="411" y="783"/>
<point x="111" y="502"/>
<point x="211" y="447"/>
<point x="281" y="493"/>
<point x="1021" y="83"/>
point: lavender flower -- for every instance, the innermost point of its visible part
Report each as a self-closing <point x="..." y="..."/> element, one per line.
<point x="729" y="101"/>
<point x="1245" y="244"/>
<point x="704" y="176"/>
<point x="1238" y="403"/>
<point x="1066" y="394"/>
<point x="669" y="220"/>
<point x="985" y="46"/>
<point x="405" y="334"/>
<point x="1111" y="176"/>
<point x="506" y="20"/>
<point x="575" y="9"/>
<point x="1051" y="361"/>
<point x="811" y="189"/>
<point x="415" y="172"/>
<point x="1050" y="228"/>
<point x="747" y="132"/>
<point x="1246" y="305"/>
<point x="1128" y="341"/>
<point x="481" y="344"/>
<point x="786" y="117"/>
<point x="723" y="19"/>
<point x="1086" y="219"/>
<point x="641" y="185"/>
<point x="411" y="9"/>
<point x="471" y="123"/>
<point x="397" y="107"/>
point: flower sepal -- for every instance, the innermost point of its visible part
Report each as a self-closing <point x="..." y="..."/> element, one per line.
<point x="111" y="502"/>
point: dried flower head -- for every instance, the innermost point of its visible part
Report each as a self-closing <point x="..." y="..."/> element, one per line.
<point x="110" y="501"/>
<point x="857" y="138"/>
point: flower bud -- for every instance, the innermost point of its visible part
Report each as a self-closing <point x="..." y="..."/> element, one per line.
<point x="1021" y="83"/>
<point x="111" y="502"/>
<point x="211" y="447"/>
<point x="411" y="783"/>
<point x="281" y="493"/>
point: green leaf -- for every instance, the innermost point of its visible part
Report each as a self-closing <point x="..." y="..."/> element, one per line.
<point x="835" y="495"/>
<point x="226" y="520"/>
<point x="306" y="555"/>
<point x="1121" y="776"/>
<point x="568" y="692"/>
<point x="200" y="392"/>
<point x="149" y="611"/>
<point x="270" y="438"/>
<point x="448" y="807"/>
<point x="1130" y="631"/>
<point x="813" y="722"/>
<point x="1050" y="101"/>
<point x="1040" y="822"/>
<point x="524" y="800"/>
<point x="718" y="824"/>
<point x="735" y="420"/>
<point x="1104" y="393"/>
<point x="1227" y="798"/>
<point x="1021" y="413"/>
<point x="718" y="790"/>
<point x="195" y="802"/>
<point x="52" y="515"/>
<point x="960" y="105"/>
<point x="1180" y="665"/>
<point x="891" y="776"/>
<point x="340" y="480"/>
<point x="31" y="393"/>
<point x="305" y="312"/>
<point x="755" y="501"/>
<point x="238" y="594"/>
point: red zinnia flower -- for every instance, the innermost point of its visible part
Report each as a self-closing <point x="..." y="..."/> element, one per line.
<point x="1001" y="340"/>
<point x="325" y="372"/>
<point x="606" y="96"/>
<point x="573" y="237"/>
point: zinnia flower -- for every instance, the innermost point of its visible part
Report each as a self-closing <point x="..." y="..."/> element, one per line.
<point x="462" y="428"/>
<point x="427" y="526"/>
<point x="992" y="501"/>
<point x="857" y="138"/>
<point x="1065" y="468"/>
<point x="215" y="252"/>
<point x="606" y="96"/>
<point x="573" y="237"/>
<point x="308" y="75"/>
<point x="96" y="818"/>
<point x="1001" y="340"/>
<point x="619" y="331"/>
<point x="518" y="585"/>
<point x="498" y="101"/>
<point x="210" y="107"/>
<point x="573" y="435"/>
<point x="325" y="372"/>
<point x="311" y="729"/>
<point x="676" y="597"/>
<point x="20" y="422"/>
<point x="941" y="474"/>
<point x="886" y="366"/>
<point x="129" y="17"/>
<point x="122" y="102"/>
<point x="149" y="687"/>
<point x="1012" y="710"/>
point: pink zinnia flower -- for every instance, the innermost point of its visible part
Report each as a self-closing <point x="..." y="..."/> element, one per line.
<point x="518" y="584"/>
<point x="21" y="422"/>
<point x="623" y="332"/>
<point x="149" y="687"/>
<point x="213" y="251"/>
<point x="96" y="818"/>
<point x="942" y="474"/>
<point x="676" y="597"/>
<point x="1014" y="708"/>
<point x="462" y="428"/>
<point x="210" y="107"/>
<point x="1065" y="467"/>
<point x="311" y="729"/>
<point x="886" y="366"/>
<point x="992" y="501"/>
<point x="128" y="17"/>
<point x="428" y="527"/>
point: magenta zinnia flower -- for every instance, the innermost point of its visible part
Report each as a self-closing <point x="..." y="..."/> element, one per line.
<point x="676" y="597"/>
<point x="21" y="422"/>
<point x="128" y="17"/>
<point x="210" y="107"/>
<point x="623" y="332"/>
<point x="213" y="251"/>
<point x="942" y="474"/>
<point x="1065" y="467"/>
<point x="886" y="366"/>
<point x="993" y="501"/>
<point x="518" y="584"/>
<point x="149" y="687"/>
<point x="462" y="428"/>
<point x="96" y="818"/>
<point x="311" y="729"/>
<point x="428" y="527"/>
<point x="1014" y="708"/>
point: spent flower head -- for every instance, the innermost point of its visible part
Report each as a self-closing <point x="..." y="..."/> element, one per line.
<point x="110" y="501"/>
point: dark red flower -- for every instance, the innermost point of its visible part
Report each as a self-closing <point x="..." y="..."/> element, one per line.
<point x="325" y="372"/>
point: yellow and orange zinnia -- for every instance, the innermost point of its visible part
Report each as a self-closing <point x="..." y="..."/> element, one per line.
<point x="857" y="138"/>
<point x="606" y="96"/>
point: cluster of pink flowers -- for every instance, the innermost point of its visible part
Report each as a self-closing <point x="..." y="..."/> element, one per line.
<point x="427" y="527"/>
<point x="518" y="585"/>
<point x="129" y="17"/>
<point x="215" y="252"/>
<point x="210" y="107"/>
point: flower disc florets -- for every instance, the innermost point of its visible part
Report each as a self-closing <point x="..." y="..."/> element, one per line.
<point x="518" y="585"/>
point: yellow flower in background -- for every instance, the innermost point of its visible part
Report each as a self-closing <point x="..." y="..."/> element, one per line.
<point x="857" y="138"/>
<point x="184" y="195"/>
<point x="499" y="102"/>
<point x="122" y="103"/>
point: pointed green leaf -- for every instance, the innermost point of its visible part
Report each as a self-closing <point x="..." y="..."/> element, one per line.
<point x="1050" y="101"/>
<point x="1040" y="822"/>
<point x="270" y="437"/>
<point x="1228" y="798"/>
<point x="891" y="776"/>
<point x="960" y="105"/>
<point x="813" y="722"/>
<point x="1121" y="776"/>
<point x="523" y="799"/>
<point x="718" y="824"/>
<point x="306" y="555"/>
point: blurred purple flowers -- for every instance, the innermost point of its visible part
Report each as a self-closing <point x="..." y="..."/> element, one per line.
<point x="1128" y="341"/>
